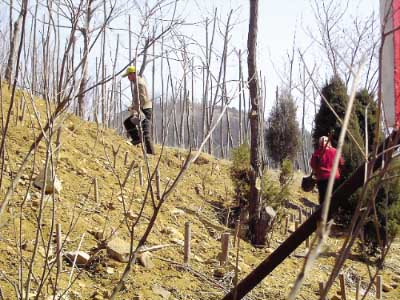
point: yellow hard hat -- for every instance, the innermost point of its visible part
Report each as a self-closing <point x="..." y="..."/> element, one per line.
<point x="129" y="70"/>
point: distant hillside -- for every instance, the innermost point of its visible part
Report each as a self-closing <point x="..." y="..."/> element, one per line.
<point x="224" y="138"/>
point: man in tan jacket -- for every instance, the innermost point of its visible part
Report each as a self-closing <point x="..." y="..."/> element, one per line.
<point x="139" y="122"/>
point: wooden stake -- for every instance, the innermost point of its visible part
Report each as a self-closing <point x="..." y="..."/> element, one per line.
<point x="59" y="255"/>
<point x="321" y="290"/>
<point x="308" y="242"/>
<point x="158" y="184"/>
<point x="126" y="158"/>
<point x="224" y="248"/>
<point x="379" y="287"/>
<point x="227" y="217"/>
<point x="358" y="285"/>
<point x="141" y="176"/>
<point x="296" y="225"/>
<point x="186" y="258"/>
<point x="128" y="174"/>
<point x="236" y="236"/>
<point x="286" y="224"/>
<point x="342" y="286"/>
<point x="115" y="153"/>
<point x="96" y="190"/>
<point x="300" y="215"/>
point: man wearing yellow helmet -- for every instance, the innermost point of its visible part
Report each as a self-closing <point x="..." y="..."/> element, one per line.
<point x="141" y="104"/>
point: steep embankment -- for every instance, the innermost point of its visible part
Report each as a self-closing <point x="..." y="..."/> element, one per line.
<point x="85" y="154"/>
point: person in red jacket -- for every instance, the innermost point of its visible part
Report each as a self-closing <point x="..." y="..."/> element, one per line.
<point x="322" y="163"/>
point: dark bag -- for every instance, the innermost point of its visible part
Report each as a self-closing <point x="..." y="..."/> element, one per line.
<point x="308" y="183"/>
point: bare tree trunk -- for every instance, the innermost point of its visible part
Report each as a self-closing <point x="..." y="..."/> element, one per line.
<point x="182" y="93"/>
<point x="203" y="107"/>
<point x="34" y="53"/>
<point x="162" y="108"/>
<point x="209" y="46"/>
<point x="192" y="110"/>
<point x="240" y="99"/>
<point x="13" y="45"/>
<point x="221" y="128"/>
<point x="303" y="136"/>
<point x="262" y="122"/>
<point x="153" y="74"/>
<point x="86" y="40"/>
<point x="255" y="204"/>
<point x="229" y="137"/>
<point x="5" y="128"/>
<point x="103" y="73"/>
<point x="245" y="110"/>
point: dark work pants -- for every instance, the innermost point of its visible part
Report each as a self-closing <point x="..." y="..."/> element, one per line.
<point x="135" y="134"/>
<point x="322" y="186"/>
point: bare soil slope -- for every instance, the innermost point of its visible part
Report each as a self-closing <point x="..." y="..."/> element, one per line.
<point x="86" y="153"/>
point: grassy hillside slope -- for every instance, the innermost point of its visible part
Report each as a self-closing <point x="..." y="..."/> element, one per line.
<point x="86" y="153"/>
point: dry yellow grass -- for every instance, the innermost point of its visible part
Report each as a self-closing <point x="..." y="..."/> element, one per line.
<point x="86" y="153"/>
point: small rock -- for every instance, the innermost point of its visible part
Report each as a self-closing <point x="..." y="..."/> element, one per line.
<point x="118" y="249"/>
<point x="173" y="233"/>
<point x="98" y="297"/>
<point x="24" y="177"/>
<point x="50" y="185"/>
<point x="198" y="259"/>
<point x="269" y="250"/>
<point x="131" y="215"/>
<point x="82" y="258"/>
<point x="386" y="288"/>
<point x="60" y="296"/>
<point x="28" y="197"/>
<point x="46" y="199"/>
<point x="110" y="206"/>
<point x="396" y="278"/>
<point x="35" y="202"/>
<point x="301" y="254"/>
<point x="98" y="219"/>
<point x="75" y="295"/>
<point x="178" y="242"/>
<point x="199" y="189"/>
<point x="42" y="252"/>
<point x="98" y="234"/>
<point x="158" y="290"/>
<point x="212" y="261"/>
<point x="217" y="168"/>
<point x="177" y="212"/>
<point x="219" y="272"/>
<point x="145" y="260"/>
<point x="82" y="171"/>
<point x="109" y="270"/>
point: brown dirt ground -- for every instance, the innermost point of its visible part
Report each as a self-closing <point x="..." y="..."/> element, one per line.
<point x="86" y="153"/>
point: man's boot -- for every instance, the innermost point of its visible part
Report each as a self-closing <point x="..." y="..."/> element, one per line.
<point x="149" y="145"/>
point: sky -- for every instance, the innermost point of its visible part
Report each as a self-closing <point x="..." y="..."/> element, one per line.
<point x="278" y="22"/>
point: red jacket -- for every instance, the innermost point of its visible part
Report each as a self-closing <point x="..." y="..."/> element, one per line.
<point x="322" y="163"/>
